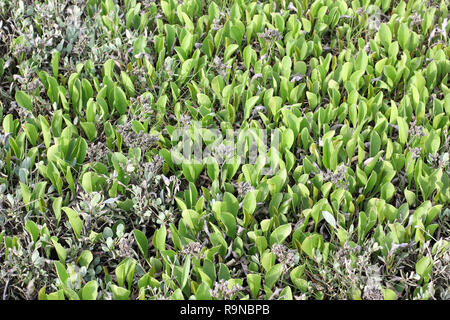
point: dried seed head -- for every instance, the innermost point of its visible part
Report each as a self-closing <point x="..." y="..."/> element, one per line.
<point x="97" y="152"/>
<point x="125" y="246"/>
<point x="270" y="34"/>
<point x="297" y="77"/>
<point x="373" y="292"/>
<point x="244" y="188"/>
<point x="151" y="169"/>
<point x="285" y="256"/>
<point x="337" y="178"/>
<point x="360" y="11"/>
<point x="222" y="153"/>
<point x="416" y="19"/>
<point x="192" y="248"/>
<point x="415" y="130"/>
<point x="141" y="139"/>
<point x="216" y="25"/>
<point x="220" y="67"/>
<point x="416" y="153"/>
<point x="185" y="120"/>
<point x="291" y="7"/>
<point x="221" y="290"/>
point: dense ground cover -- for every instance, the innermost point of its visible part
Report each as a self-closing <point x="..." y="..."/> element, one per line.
<point x="224" y="149"/>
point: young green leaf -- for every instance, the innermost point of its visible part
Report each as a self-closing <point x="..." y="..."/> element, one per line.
<point x="273" y="275"/>
<point x="254" y="282"/>
<point x="159" y="238"/>
<point x="186" y="271"/>
<point x="329" y="218"/>
<point x="74" y="220"/>
<point x="90" y="290"/>
<point x="24" y="100"/>
<point x="280" y="234"/>
<point x="385" y="35"/>
<point x="402" y="130"/>
<point x="142" y="242"/>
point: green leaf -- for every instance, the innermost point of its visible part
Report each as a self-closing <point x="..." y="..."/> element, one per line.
<point x="261" y="244"/>
<point x="273" y="275"/>
<point x="280" y="234"/>
<point x="403" y="36"/>
<point x="286" y="66"/>
<point x="237" y="32"/>
<point x="18" y="152"/>
<point x="311" y="244"/>
<point x="24" y="100"/>
<point x="89" y="291"/>
<point x="424" y="267"/>
<point x="230" y="204"/>
<point x="229" y="222"/>
<point x="249" y="56"/>
<point x="120" y="101"/>
<point x="120" y="293"/>
<point x="287" y="139"/>
<point x="26" y="193"/>
<point x="212" y="168"/>
<point x="329" y="218"/>
<point x="385" y="35"/>
<point x="74" y="220"/>
<point x="125" y="271"/>
<point x="56" y="205"/>
<point x="41" y="293"/>
<point x="159" y="239"/>
<point x="60" y="251"/>
<point x="45" y="127"/>
<point x="203" y="100"/>
<point x="432" y="142"/>
<point x="389" y="294"/>
<point x="139" y="45"/>
<point x="71" y="294"/>
<point x="90" y="129"/>
<point x="85" y="258"/>
<point x="127" y="83"/>
<point x="58" y="295"/>
<point x="191" y="219"/>
<point x="186" y="68"/>
<point x="402" y="130"/>
<point x="186" y="271"/>
<point x="249" y="104"/>
<point x="346" y="70"/>
<point x="328" y="151"/>
<point x="254" y="282"/>
<point x="296" y="278"/>
<point x="387" y="191"/>
<point x="202" y="292"/>
<point x="31" y="133"/>
<point x="249" y="204"/>
<point x="53" y="89"/>
<point x="55" y="62"/>
<point x="229" y="51"/>
<point x="61" y="272"/>
<point x="142" y="242"/>
<point x="192" y="170"/>
<point x="33" y="229"/>
<point x="275" y="105"/>
<point x="313" y="99"/>
<point x="8" y="123"/>
<point x="426" y="185"/>
<point x="375" y="143"/>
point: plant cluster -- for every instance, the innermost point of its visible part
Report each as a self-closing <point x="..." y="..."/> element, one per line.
<point x="106" y="105"/>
